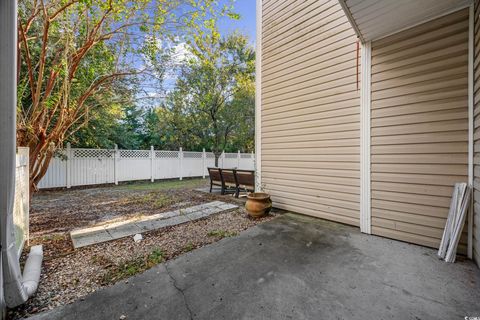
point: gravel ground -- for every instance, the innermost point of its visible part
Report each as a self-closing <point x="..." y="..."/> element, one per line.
<point x="68" y="274"/>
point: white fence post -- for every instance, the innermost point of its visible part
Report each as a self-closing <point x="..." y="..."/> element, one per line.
<point x="253" y="161"/>
<point x="238" y="159"/>
<point x="204" y="162"/>
<point x="180" y="158"/>
<point x="223" y="159"/>
<point x="26" y="183"/>
<point x="152" y="158"/>
<point x="68" y="165"/>
<point x="115" y="164"/>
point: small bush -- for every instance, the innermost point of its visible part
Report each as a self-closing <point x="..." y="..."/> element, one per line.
<point x="221" y="233"/>
<point x="133" y="267"/>
<point x="189" y="247"/>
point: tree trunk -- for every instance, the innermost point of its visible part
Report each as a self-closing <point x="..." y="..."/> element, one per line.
<point x="217" y="156"/>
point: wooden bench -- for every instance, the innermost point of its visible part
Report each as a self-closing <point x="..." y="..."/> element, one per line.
<point x="216" y="178"/>
<point x="229" y="181"/>
<point x="245" y="181"/>
<point x="232" y="180"/>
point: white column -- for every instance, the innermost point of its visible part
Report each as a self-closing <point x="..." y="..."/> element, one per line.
<point x="471" y="39"/>
<point x="365" y="94"/>
<point x="204" y="163"/>
<point x="152" y="167"/>
<point x="115" y="164"/>
<point x="180" y="160"/>
<point x="68" y="165"/>
<point x="238" y="159"/>
<point x="258" y="97"/>
<point x="223" y="159"/>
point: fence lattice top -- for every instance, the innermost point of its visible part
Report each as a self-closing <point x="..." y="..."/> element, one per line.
<point x="135" y="154"/>
<point x="192" y="154"/>
<point x="231" y="155"/>
<point x="93" y="153"/>
<point x="139" y="154"/>
<point x="166" y="154"/>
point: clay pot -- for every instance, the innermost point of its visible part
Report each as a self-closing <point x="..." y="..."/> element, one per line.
<point x="258" y="204"/>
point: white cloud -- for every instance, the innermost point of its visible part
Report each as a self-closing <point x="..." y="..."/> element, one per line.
<point x="181" y="52"/>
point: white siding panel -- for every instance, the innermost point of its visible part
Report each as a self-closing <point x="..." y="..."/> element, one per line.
<point x="419" y="127"/>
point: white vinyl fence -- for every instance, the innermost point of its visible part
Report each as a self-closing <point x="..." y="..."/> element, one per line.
<point x="22" y="199"/>
<point x="80" y="167"/>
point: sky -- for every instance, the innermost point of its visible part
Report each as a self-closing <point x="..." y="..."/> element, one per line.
<point x="246" y="24"/>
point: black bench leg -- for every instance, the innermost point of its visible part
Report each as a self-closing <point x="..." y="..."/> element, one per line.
<point x="237" y="192"/>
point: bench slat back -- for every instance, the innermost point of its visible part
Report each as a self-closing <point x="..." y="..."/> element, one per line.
<point x="246" y="178"/>
<point x="215" y="174"/>
<point x="229" y="176"/>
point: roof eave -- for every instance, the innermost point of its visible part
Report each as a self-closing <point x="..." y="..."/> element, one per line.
<point x="351" y="20"/>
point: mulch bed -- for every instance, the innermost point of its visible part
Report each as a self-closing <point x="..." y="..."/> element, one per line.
<point x="69" y="275"/>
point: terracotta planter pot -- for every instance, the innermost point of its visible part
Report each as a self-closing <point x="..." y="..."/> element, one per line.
<point x="258" y="204"/>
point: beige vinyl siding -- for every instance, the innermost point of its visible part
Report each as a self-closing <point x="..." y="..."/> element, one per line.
<point x="310" y="109"/>
<point x="419" y="128"/>
<point x="476" y="182"/>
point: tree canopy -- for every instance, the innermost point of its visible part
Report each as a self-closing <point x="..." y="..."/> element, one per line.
<point x="213" y="100"/>
<point x="83" y="66"/>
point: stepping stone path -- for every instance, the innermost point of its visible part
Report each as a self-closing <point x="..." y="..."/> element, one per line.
<point x="116" y="230"/>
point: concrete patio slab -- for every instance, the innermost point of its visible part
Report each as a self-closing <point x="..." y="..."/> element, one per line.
<point x="120" y="229"/>
<point x="293" y="267"/>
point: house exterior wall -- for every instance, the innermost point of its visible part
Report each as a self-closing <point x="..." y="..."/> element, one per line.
<point x="310" y="109"/>
<point x="476" y="172"/>
<point x="419" y="128"/>
<point x="310" y="119"/>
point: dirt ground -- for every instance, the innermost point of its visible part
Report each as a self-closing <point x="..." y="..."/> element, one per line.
<point x="68" y="274"/>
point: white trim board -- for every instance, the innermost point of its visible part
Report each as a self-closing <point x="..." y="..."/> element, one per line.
<point x="258" y="97"/>
<point x="471" y="39"/>
<point x="365" y="101"/>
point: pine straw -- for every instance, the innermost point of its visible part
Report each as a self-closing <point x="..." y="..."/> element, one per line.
<point x="69" y="275"/>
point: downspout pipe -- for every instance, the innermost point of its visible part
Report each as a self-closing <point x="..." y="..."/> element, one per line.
<point x="16" y="290"/>
<point x="32" y="270"/>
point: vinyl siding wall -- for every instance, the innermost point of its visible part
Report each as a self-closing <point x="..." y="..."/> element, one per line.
<point x="310" y="109"/>
<point x="476" y="182"/>
<point x="419" y="128"/>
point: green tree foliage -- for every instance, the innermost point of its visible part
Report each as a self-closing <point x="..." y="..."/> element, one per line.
<point x="152" y="131"/>
<point x="212" y="105"/>
<point x="130" y="127"/>
<point x="75" y="54"/>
